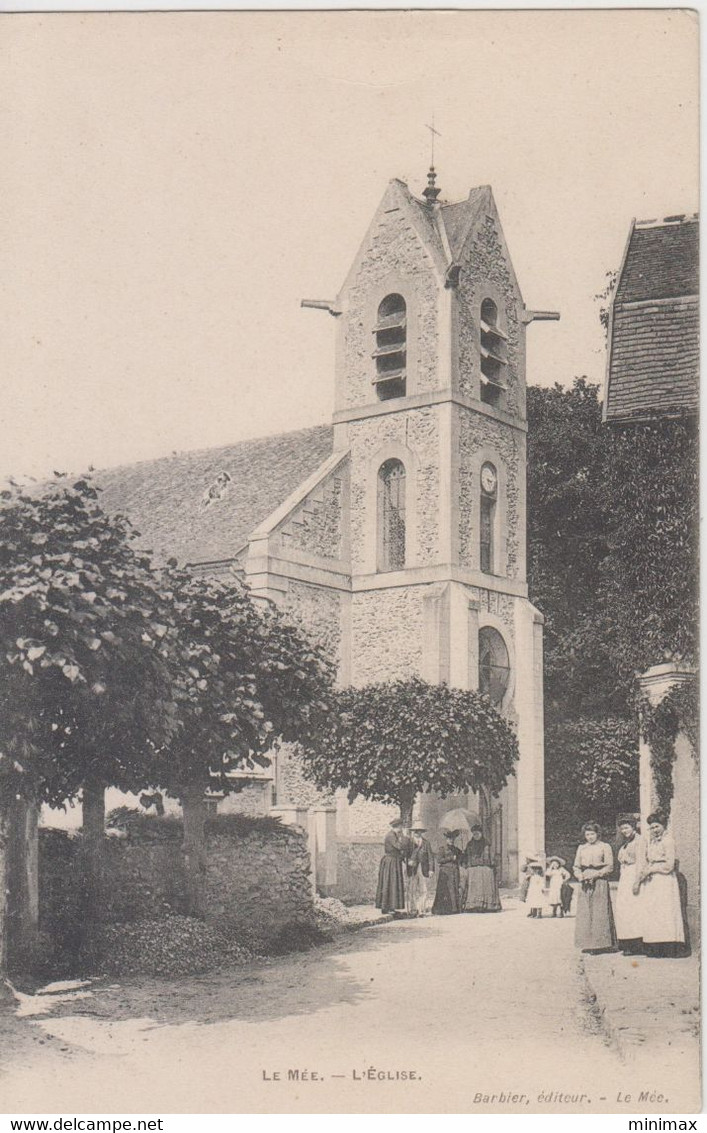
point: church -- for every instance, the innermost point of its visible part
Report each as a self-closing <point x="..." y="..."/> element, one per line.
<point x="397" y="534"/>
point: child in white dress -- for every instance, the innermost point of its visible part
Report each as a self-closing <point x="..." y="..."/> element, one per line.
<point x="536" y="896"/>
<point x="555" y="877"/>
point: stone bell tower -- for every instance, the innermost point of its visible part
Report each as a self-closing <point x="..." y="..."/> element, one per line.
<point x="430" y="406"/>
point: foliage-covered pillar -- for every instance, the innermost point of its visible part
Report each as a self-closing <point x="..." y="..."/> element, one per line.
<point x="194" y="849"/>
<point x="669" y="767"/>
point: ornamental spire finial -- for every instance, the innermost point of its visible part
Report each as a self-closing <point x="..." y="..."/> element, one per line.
<point x="432" y="191"/>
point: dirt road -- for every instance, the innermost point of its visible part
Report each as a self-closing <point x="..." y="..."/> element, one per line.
<point x="412" y="1016"/>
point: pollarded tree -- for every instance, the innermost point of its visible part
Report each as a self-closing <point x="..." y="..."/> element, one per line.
<point x="86" y="687"/>
<point x="242" y="677"/>
<point x="388" y="742"/>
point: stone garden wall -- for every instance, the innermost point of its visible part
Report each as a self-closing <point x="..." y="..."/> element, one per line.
<point x="257" y="885"/>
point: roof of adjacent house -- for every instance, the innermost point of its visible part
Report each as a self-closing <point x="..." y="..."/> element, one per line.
<point x="201" y="506"/>
<point x="654" y="343"/>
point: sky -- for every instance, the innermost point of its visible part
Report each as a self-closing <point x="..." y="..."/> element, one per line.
<point x="174" y="184"/>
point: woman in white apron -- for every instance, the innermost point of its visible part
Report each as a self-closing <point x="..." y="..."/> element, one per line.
<point x="629" y="924"/>
<point x="661" y="912"/>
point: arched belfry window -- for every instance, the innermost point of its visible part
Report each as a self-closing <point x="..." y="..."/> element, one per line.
<point x="487" y="518"/>
<point x="494" y="665"/>
<point x="390" y="354"/>
<point x="391" y="515"/>
<point x="492" y="348"/>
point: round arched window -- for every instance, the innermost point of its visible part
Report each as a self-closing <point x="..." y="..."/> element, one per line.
<point x="489" y="313"/>
<point x="494" y="665"/>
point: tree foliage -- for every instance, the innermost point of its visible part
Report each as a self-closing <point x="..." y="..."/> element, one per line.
<point x="115" y="673"/>
<point x="660" y="725"/>
<point x="613" y="566"/>
<point x="612" y="546"/>
<point x="591" y="771"/>
<point x="243" y="676"/>
<point x="86" y="687"/>
<point x="388" y="742"/>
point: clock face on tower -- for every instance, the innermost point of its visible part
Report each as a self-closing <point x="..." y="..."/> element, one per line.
<point x="488" y="479"/>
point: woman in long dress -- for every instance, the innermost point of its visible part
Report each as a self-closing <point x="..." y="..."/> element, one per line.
<point x="481" y="891"/>
<point x="447" y="894"/>
<point x="390" y="895"/>
<point x="657" y="887"/>
<point x="420" y="864"/>
<point x="594" y="924"/>
<point x="629" y="923"/>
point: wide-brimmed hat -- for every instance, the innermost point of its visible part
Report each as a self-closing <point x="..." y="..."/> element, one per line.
<point x="556" y="858"/>
<point x="396" y="823"/>
<point x="419" y="829"/>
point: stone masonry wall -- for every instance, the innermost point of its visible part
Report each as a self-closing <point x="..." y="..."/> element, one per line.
<point x="395" y="247"/>
<point x="257" y="878"/>
<point x="317" y="525"/>
<point x="318" y="611"/>
<point x="357" y="871"/>
<point x="293" y="787"/>
<point x="418" y="430"/>
<point x="386" y="628"/>
<point x="486" y="273"/>
<point x="474" y="432"/>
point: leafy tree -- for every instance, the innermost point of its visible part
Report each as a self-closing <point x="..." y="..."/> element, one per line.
<point x="612" y="564"/>
<point x="243" y="676"/>
<point x="604" y="298"/>
<point x="649" y="578"/>
<point x="387" y="742"/>
<point x="86" y="691"/>
<point x="114" y="674"/>
<point x="567" y="540"/>
<point x="591" y="772"/>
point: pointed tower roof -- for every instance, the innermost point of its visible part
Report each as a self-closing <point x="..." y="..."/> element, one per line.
<point x="459" y="217"/>
<point x="443" y="227"/>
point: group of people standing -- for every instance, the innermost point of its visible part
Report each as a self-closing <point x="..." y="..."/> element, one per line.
<point x="648" y="918"/>
<point x="466" y="881"/>
<point x="547" y="888"/>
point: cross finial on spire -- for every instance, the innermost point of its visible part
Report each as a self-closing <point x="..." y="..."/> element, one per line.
<point x="432" y="192"/>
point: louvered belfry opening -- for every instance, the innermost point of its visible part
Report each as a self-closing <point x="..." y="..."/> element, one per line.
<point x="493" y="355"/>
<point x="391" y="515"/>
<point x="390" y="354"/>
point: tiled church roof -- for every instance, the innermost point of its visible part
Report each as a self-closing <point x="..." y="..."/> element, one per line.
<point x="201" y="506"/>
<point x="654" y="346"/>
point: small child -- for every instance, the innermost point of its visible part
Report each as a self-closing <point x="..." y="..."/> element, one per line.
<point x="536" y="895"/>
<point x="556" y="879"/>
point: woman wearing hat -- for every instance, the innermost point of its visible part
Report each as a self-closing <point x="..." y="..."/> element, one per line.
<point x="390" y="895"/>
<point x="657" y="887"/>
<point x="420" y="865"/>
<point x="481" y="891"/>
<point x="594" y="861"/>
<point x="629" y="925"/>
<point x="447" y="894"/>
